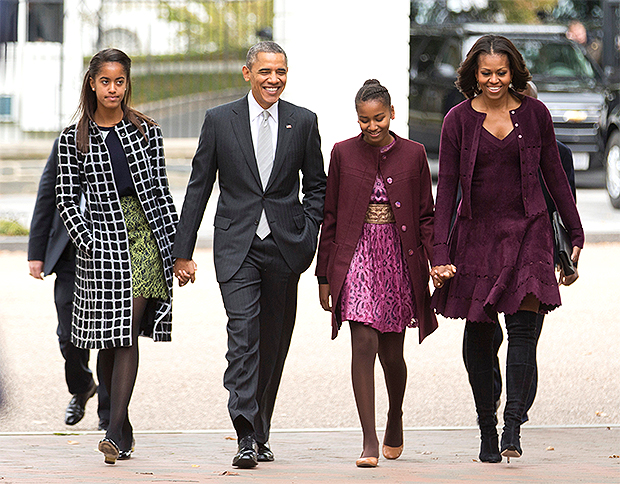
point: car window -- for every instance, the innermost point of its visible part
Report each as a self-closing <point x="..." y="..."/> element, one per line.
<point x="423" y="56"/>
<point x="449" y="59"/>
<point x="555" y="59"/>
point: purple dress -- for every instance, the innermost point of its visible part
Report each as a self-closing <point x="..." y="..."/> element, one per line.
<point x="377" y="290"/>
<point x="500" y="254"/>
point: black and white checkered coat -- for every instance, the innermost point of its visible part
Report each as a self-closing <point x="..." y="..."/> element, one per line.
<point x="103" y="287"/>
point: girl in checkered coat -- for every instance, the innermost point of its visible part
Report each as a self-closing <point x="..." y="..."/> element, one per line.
<point x="112" y="194"/>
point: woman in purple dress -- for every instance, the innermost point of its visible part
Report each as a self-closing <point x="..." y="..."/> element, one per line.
<point x="373" y="259"/>
<point x="498" y="257"/>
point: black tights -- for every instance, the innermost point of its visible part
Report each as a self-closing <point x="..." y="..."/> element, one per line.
<point x="119" y="368"/>
<point x="366" y="343"/>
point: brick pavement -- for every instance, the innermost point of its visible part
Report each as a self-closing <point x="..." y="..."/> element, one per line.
<point x="551" y="455"/>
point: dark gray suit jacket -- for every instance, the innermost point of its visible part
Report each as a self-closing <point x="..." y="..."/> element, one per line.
<point x="225" y="149"/>
<point x="48" y="237"/>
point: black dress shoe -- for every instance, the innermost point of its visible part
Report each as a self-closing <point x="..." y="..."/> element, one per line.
<point x="246" y="456"/>
<point x="264" y="453"/>
<point x="75" y="409"/>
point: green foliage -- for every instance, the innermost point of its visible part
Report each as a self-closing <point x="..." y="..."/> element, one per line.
<point x="155" y="87"/>
<point x="217" y="25"/>
<point x="12" y="227"/>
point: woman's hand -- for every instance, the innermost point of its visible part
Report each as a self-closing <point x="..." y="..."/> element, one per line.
<point x="185" y="271"/>
<point x="441" y="274"/>
<point x="325" y="297"/>
<point x="565" y="280"/>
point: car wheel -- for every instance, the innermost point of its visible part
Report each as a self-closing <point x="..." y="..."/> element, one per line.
<point x="612" y="165"/>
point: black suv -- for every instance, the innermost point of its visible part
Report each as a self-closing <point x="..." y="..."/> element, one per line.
<point x="585" y="114"/>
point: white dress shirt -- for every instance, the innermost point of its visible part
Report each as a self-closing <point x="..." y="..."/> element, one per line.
<point x="256" y="117"/>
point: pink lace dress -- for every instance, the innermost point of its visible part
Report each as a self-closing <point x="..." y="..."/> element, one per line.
<point x="377" y="290"/>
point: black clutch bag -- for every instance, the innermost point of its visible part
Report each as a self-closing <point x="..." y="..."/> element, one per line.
<point x="563" y="245"/>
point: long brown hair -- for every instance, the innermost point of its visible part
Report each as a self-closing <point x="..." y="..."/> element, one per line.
<point x="491" y="44"/>
<point x="88" y="99"/>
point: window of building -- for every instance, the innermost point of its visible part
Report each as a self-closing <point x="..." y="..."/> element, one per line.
<point x="45" y="20"/>
<point x="8" y="21"/>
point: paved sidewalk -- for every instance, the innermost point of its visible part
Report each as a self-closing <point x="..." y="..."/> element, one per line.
<point x="551" y="455"/>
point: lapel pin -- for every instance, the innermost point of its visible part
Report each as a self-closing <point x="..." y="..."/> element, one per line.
<point x="288" y="126"/>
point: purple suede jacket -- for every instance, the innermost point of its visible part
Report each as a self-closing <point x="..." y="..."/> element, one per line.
<point x="537" y="148"/>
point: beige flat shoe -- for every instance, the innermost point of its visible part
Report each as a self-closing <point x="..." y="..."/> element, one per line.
<point x="367" y="462"/>
<point x="392" y="452"/>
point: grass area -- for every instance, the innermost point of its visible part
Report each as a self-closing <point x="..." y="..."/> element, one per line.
<point x="155" y="87"/>
<point x="191" y="57"/>
<point x="11" y="227"/>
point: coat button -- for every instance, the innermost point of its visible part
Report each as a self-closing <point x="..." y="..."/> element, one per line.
<point x="520" y="136"/>
<point x="397" y="204"/>
<point x="389" y="180"/>
<point x="410" y="251"/>
<point x="404" y="228"/>
<point x="516" y="125"/>
<point x="384" y="157"/>
<point x="255" y="222"/>
<point x="512" y="112"/>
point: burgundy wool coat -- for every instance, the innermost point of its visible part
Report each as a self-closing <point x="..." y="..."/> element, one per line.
<point x="538" y="150"/>
<point x="352" y="170"/>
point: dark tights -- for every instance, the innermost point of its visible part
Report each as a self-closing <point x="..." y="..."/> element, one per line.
<point x="366" y="344"/>
<point x="119" y="368"/>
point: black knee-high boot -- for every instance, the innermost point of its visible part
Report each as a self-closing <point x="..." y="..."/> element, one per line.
<point x="479" y="356"/>
<point x="520" y="366"/>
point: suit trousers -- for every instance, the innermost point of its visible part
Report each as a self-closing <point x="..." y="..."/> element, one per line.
<point x="77" y="373"/>
<point x="261" y="303"/>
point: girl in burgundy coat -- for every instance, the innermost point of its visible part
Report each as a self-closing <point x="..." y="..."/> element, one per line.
<point x="373" y="260"/>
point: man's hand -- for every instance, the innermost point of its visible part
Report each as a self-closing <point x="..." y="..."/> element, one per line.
<point x="36" y="268"/>
<point x="185" y="271"/>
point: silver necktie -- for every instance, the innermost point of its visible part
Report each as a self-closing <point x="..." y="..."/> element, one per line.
<point x="264" y="159"/>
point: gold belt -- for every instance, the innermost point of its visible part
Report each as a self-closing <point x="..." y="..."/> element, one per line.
<point x="379" y="213"/>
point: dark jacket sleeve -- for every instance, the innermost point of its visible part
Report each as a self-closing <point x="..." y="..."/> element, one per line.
<point x="44" y="208"/>
<point x="313" y="181"/>
<point x="558" y="185"/>
<point x="204" y="169"/>
<point x="566" y="156"/>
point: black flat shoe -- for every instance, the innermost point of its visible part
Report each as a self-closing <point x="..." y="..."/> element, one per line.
<point x="109" y="449"/>
<point x="126" y="454"/>
<point x="265" y="454"/>
<point x="246" y="456"/>
<point x="77" y="405"/>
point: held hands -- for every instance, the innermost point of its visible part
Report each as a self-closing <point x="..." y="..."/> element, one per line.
<point x="35" y="267"/>
<point x="185" y="271"/>
<point x="325" y="297"/>
<point x="564" y="280"/>
<point x="441" y="274"/>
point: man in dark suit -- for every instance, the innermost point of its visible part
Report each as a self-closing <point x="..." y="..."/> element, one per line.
<point x="264" y="238"/>
<point x="49" y="250"/>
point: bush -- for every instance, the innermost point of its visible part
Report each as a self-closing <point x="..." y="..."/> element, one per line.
<point x="12" y="227"/>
